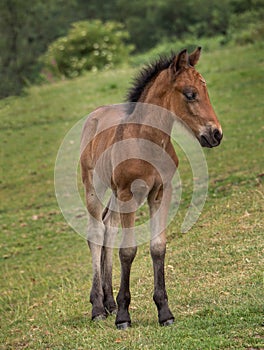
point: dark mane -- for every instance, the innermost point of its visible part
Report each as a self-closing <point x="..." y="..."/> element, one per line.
<point x="145" y="76"/>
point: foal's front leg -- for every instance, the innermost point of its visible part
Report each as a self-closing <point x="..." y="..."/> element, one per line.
<point x="127" y="254"/>
<point x="159" y="204"/>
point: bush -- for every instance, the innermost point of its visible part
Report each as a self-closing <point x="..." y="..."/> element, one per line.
<point x="89" y="45"/>
<point x="246" y="27"/>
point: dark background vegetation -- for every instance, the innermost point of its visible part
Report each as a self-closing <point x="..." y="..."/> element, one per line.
<point x="28" y="27"/>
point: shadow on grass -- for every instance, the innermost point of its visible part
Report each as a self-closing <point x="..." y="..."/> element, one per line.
<point x="85" y="320"/>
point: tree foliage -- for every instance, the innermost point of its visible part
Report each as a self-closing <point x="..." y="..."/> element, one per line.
<point x="29" y="27"/>
<point x="246" y="26"/>
<point x="26" y="28"/>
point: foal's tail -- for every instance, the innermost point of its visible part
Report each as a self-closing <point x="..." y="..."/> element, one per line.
<point x="111" y="219"/>
<point x="106" y="210"/>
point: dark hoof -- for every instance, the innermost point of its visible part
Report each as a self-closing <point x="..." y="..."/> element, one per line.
<point x="168" y="322"/>
<point x="99" y="318"/>
<point x="123" y="326"/>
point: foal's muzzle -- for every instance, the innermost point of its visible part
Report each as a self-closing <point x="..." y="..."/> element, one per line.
<point x="211" y="138"/>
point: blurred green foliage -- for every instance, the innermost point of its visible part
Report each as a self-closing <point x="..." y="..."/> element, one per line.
<point x="247" y="27"/>
<point x="29" y="28"/>
<point x="26" y="28"/>
<point x="89" y="45"/>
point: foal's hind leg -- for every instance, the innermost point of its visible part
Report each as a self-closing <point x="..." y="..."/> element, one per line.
<point x="159" y="203"/>
<point x="96" y="231"/>
<point x="111" y="220"/>
<point x="96" y="294"/>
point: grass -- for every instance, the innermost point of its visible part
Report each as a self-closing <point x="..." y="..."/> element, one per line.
<point x="214" y="273"/>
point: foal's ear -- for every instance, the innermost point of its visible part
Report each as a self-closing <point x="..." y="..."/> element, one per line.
<point x="194" y="56"/>
<point x="180" y="61"/>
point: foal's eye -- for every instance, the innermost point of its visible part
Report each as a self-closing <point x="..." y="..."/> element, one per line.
<point x="190" y="95"/>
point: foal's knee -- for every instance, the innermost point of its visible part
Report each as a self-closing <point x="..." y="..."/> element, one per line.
<point x="158" y="248"/>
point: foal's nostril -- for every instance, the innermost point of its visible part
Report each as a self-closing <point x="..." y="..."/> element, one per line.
<point x="211" y="137"/>
<point x="217" y="135"/>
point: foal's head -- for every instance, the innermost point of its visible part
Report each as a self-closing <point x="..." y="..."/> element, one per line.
<point x="189" y="99"/>
<point x="176" y="85"/>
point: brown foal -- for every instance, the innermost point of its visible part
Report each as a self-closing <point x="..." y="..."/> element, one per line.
<point x="111" y="138"/>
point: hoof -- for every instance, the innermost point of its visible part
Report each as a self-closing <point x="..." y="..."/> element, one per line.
<point x="123" y="326"/>
<point x="99" y="318"/>
<point x="168" y="322"/>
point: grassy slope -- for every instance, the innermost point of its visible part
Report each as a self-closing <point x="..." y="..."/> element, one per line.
<point x="214" y="276"/>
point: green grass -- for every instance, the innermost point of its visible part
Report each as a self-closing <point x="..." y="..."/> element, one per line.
<point x="214" y="273"/>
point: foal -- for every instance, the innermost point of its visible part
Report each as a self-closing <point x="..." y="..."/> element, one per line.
<point x="172" y="84"/>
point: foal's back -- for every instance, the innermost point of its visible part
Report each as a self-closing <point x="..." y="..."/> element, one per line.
<point x="98" y="134"/>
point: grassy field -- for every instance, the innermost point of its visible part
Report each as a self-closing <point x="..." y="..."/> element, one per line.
<point x="214" y="272"/>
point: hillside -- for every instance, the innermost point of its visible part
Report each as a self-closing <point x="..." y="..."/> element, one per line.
<point x="214" y="272"/>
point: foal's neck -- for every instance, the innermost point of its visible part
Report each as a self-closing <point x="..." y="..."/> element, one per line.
<point x="153" y="107"/>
